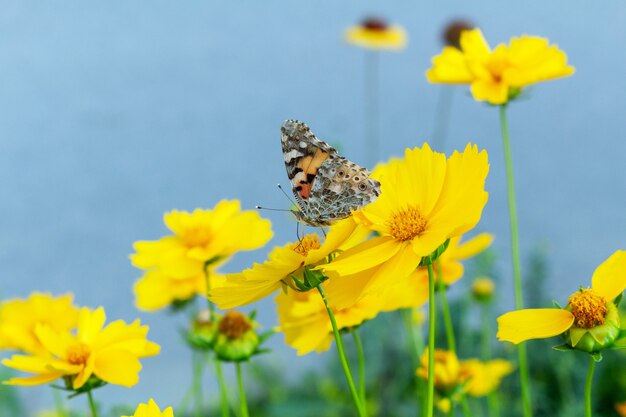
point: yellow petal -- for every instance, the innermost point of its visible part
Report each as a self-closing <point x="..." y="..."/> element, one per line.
<point x="450" y="67"/>
<point x="474" y="246"/>
<point x="90" y="323"/>
<point x="364" y="256"/>
<point x="233" y="295"/>
<point x="117" y="367"/>
<point x="540" y="323"/>
<point x="486" y="89"/>
<point x="609" y="279"/>
<point x="33" y="380"/>
<point x="474" y="45"/>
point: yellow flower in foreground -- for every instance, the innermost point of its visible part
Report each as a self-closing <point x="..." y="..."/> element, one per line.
<point x="152" y="410"/>
<point x="19" y="318"/>
<point x="590" y="321"/>
<point x="484" y="377"/>
<point x="284" y="263"/>
<point x="202" y="236"/>
<point x="425" y="200"/>
<point x="110" y="353"/>
<point x="374" y="33"/>
<point x="156" y="290"/>
<point x="498" y="76"/>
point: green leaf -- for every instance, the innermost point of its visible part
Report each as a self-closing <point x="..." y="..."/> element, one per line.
<point x="430" y="259"/>
<point x="618" y="299"/>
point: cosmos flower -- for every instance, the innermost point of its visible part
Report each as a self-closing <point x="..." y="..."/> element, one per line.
<point x="590" y="322"/>
<point x="375" y="33"/>
<point x="425" y="200"/>
<point x="152" y="410"/>
<point x="19" y="318"/>
<point x="110" y="353"/>
<point x="484" y="377"/>
<point x="498" y="76"/>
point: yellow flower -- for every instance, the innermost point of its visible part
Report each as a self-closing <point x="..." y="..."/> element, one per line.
<point x="425" y="200"/>
<point x="498" y="76"/>
<point x="284" y="263"/>
<point x="303" y="318"/>
<point x="375" y="34"/>
<point x="590" y="322"/>
<point x="175" y="264"/>
<point x="110" y="353"/>
<point x="448" y="377"/>
<point x="19" y="318"/>
<point x="156" y="290"/>
<point x="484" y="377"/>
<point x="152" y="410"/>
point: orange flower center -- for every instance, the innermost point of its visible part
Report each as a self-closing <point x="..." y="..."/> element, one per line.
<point x="307" y="243"/>
<point x="78" y="354"/>
<point x="407" y="224"/>
<point x="588" y="307"/>
<point x="196" y="237"/>
<point x="234" y="324"/>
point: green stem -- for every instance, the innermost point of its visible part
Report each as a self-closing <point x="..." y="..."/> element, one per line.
<point x="58" y="403"/>
<point x="486" y="337"/>
<point x="493" y="402"/>
<point x="92" y="404"/>
<point x="223" y="389"/>
<point x="450" y="412"/>
<point x="342" y="356"/>
<point x="361" y="359"/>
<point x="196" y="382"/>
<point x="447" y="319"/>
<point x="416" y="347"/>
<point x="430" y="393"/>
<point x="442" y="117"/>
<point x="207" y="277"/>
<point x="372" y="106"/>
<point x="243" y="405"/>
<point x="466" y="409"/>
<point x="517" y="270"/>
<point x="592" y="367"/>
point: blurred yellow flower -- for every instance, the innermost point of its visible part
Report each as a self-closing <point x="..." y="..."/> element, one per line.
<point x="374" y="33"/>
<point x="483" y="288"/>
<point x="484" y="377"/>
<point x="110" y="353"/>
<point x="19" y="318"/>
<point x="152" y="410"/>
<point x="621" y="409"/>
<point x="175" y="264"/>
<point x="590" y="321"/>
<point x="425" y="200"/>
<point x="156" y="290"/>
<point x="284" y="263"/>
<point x="498" y="76"/>
<point x="448" y="377"/>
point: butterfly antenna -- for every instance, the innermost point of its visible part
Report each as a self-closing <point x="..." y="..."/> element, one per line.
<point x="270" y="209"/>
<point x="280" y="187"/>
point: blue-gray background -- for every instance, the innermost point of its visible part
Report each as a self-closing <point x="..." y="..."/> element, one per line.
<point x="112" y="113"/>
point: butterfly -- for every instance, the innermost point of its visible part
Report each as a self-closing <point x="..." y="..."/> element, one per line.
<point x="327" y="187"/>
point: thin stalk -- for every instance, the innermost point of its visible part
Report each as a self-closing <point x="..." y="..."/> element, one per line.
<point x="361" y="359"/>
<point x="92" y="404"/>
<point x="466" y="409"/>
<point x="342" y="357"/>
<point x="592" y="367"/>
<point x="243" y="405"/>
<point x="450" y="412"/>
<point x="416" y="347"/>
<point x="223" y="389"/>
<point x="371" y="105"/>
<point x="493" y="402"/>
<point x="447" y="319"/>
<point x="196" y="382"/>
<point x="517" y="270"/>
<point x="58" y="403"/>
<point x="430" y="393"/>
<point x="485" y="349"/>
<point x="442" y="117"/>
<point x="207" y="277"/>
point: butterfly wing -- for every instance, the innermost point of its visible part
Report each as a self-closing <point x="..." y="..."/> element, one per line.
<point x="327" y="187"/>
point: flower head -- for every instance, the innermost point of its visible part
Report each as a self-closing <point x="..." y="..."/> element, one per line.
<point x="425" y="200"/>
<point x="590" y="322"/>
<point x="449" y="380"/>
<point x="176" y="264"/>
<point x="484" y="377"/>
<point x="375" y="33"/>
<point x="110" y="353"/>
<point x="284" y="264"/>
<point x="498" y="76"/>
<point x="236" y="339"/>
<point x="19" y="319"/>
<point x="152" y="410"/>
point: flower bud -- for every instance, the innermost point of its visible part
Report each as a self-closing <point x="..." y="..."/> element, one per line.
<point x="596" y="338"/>
<point x="482" y="289"/>
<point x="236" y="339"/>
<point x="203" y="330"/>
